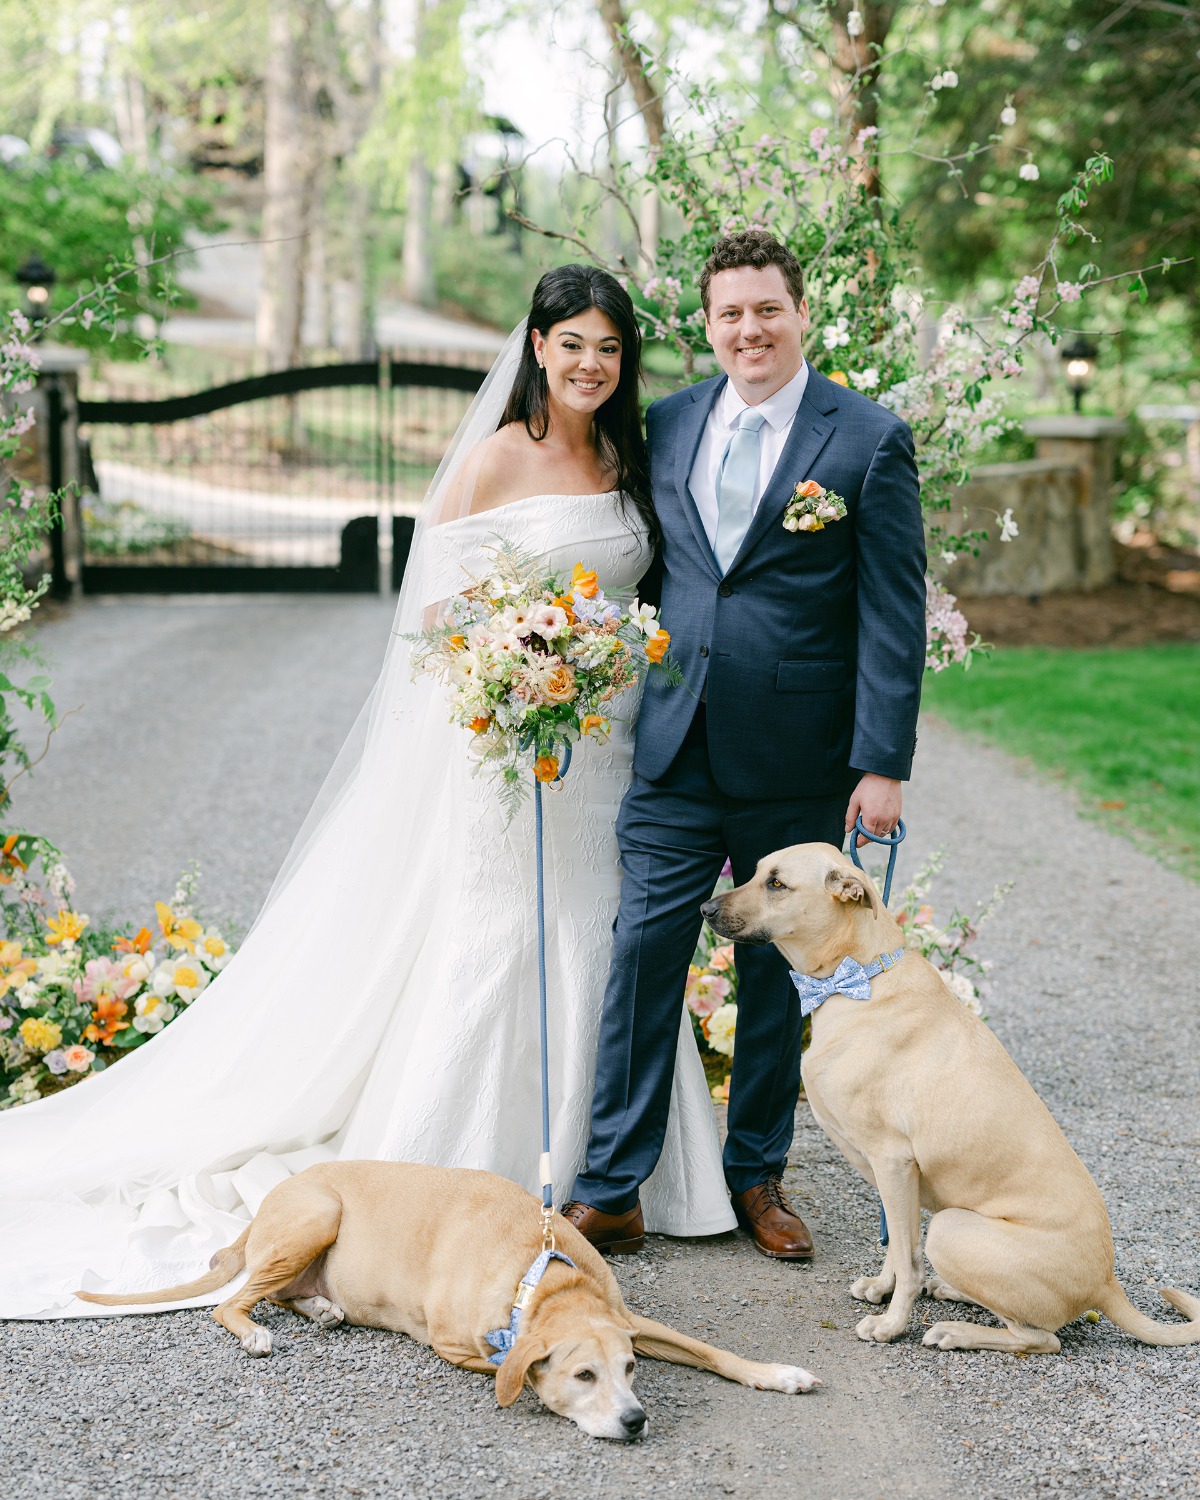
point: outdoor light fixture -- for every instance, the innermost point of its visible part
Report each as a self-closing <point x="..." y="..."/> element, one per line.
<point x="37" y="278"/>
<point x="1080" y="358"/>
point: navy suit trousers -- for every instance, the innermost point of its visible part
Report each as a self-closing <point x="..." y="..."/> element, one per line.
<point x="674" y="835"/>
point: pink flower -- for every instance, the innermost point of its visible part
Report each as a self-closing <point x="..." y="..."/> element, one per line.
<point x="1070" y="291"/>
<point x="78" y="1058"/>
<point x="721" y="958"/>
<point x="103" y="980"/>
<point x="706" y="993"/>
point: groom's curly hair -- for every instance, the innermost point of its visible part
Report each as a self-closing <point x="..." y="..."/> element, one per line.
<point x="757" y="248"/>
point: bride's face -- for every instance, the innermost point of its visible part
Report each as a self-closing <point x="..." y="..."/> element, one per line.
<point x="582" y="360"/>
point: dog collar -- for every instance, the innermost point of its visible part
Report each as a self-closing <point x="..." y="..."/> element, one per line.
<point x="850" y="978"/>
<point x="502" y="1339"/>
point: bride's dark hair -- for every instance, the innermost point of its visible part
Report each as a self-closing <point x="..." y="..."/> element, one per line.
<point x="564" y="293"/>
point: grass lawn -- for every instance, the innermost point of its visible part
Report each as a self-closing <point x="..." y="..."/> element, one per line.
<point x="1121" y="726"/>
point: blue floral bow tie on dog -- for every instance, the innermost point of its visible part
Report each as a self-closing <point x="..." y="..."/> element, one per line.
<point x="850" y="978"/>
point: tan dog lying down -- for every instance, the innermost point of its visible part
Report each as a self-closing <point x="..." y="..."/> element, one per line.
<point x="437" y="1253"/>
<point x="920" y="1097"/>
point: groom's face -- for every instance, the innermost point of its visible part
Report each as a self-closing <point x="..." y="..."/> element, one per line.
<point x="755" y="329"/>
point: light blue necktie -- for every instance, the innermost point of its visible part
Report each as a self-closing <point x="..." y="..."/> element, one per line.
<point x="735" y="488"/>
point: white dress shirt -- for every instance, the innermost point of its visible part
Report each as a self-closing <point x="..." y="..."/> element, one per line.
<point x="779" y="411"/>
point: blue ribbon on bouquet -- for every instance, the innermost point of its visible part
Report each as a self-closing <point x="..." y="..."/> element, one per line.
<point x="891" y="842"/>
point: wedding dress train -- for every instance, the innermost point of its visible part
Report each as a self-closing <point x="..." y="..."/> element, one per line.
<point x="384" y="1005"/>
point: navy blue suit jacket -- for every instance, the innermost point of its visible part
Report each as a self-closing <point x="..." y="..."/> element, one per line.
<point x="812" y="645"/>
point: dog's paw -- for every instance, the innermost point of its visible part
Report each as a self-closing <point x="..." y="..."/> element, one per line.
<point x="948" y="1336"/>
<point x="880" y="1329"/>
<point x="873" y="1288"/>
<point x="790" y="1379"/>
<point x="257" y="1342"/>
<point x="324" y="1313"/>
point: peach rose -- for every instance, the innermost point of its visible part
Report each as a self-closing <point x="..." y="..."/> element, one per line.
<point x="596" y="725"/>
<point x="545" y="768"/>
<point x="560" y="686"/>
<point x="810" y="490"/>
<point x="656" y="645"/>
<point x="838" y="377"/>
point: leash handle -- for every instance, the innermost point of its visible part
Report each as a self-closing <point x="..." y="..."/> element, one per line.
<point x="890" y="841"/>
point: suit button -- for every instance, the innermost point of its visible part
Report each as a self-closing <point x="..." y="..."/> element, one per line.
<point x="724" y="590"/>
<point x="703" y="650"/>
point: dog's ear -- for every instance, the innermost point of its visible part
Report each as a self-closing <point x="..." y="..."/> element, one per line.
<point x="510" y="1377"/>
<point x="844" y="886"/>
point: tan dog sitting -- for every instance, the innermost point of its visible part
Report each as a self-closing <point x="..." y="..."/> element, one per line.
<point x="920" y="1097"/>
<point x="437" y="1253"/>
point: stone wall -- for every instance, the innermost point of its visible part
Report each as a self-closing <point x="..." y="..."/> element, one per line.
<point x="1061" y="502"/>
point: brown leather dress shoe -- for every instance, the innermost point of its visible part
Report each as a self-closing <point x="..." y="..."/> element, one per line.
<point x="611" y="1234"/>
<point x="778" y="1229"/>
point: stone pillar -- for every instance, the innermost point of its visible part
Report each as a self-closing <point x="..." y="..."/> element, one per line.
<point x="49" y="457"/>
<point x="1090" y="445"/>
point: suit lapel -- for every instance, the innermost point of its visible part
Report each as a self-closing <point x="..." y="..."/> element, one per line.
<point x="688" y="431"/>
<point x="812" y="427"/>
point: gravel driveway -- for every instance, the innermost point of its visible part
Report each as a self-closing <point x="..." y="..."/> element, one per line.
<point x="208" y="728"/>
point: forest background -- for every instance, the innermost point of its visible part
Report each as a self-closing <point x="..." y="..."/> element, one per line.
<point x="392" y="149"/>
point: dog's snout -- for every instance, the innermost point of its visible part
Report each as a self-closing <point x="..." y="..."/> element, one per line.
<point x="634" y="1421"/>
<point x="710" y="909"/>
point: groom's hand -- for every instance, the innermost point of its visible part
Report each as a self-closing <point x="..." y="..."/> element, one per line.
<point x="876" y="800"/>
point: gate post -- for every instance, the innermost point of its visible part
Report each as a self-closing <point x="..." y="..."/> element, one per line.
<point x="49" y="459"/>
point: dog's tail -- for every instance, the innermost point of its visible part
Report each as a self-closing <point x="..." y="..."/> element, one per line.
<point x="225" y="1265"/>
<point x="1116" y="1306"/>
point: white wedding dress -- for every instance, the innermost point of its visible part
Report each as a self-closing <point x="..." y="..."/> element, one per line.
<point x="384" y="1005"/>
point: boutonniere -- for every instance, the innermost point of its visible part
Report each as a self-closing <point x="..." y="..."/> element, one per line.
<point x="811" y="507"/>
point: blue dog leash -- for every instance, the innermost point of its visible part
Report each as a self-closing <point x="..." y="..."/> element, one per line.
<point x="891" y="842"/>
<point x="547" y="1174"/>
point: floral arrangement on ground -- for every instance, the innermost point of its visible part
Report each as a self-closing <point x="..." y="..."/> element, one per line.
<point x="76" y="997"/>
<point x="712" y="982"/>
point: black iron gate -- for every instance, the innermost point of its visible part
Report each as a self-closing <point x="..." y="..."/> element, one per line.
<point x="283" y="482"/>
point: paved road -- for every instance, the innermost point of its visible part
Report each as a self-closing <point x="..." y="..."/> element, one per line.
<point x="207" y="730"/>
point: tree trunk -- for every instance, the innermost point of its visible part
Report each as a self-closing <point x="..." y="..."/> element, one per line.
<point x="629" y="59"/>
<point x="857" y="59"/>
<point x="418" y="212"/>
<point x="289" y="163"/>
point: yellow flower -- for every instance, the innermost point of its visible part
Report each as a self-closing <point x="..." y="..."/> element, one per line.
<point x="584" y="582"/>
<point x="14" y="970"/>
<point x="457" y="642"/>
<point x="180" y="932"/>
<point x="545" y="768"/>
<point x="67" y="927"/>
<point x="838" y="377"/>
<point x="40" y="1035"/>
<point x="596" y="725"/>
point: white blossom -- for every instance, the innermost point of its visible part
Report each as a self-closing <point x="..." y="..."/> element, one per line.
<point x="1008" y="527"/>
<point x="1029" y="172"/>
<point x="854" y="23"/>
<point x="1008" y="115"/>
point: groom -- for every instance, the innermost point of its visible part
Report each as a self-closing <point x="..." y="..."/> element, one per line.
<point x="803" y="651"/>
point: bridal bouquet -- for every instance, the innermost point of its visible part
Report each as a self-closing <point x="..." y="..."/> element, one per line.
<point x="534" y="661"/>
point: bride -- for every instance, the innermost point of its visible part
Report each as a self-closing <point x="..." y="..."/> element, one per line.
<point x="384" y="1004"/>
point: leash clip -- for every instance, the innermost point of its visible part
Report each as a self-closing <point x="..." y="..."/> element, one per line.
<point x="548" y="1227"/>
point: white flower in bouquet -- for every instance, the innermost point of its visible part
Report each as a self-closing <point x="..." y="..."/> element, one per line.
<point x="182" y="977"/>
<point x="138" y="967"/>
<point x="56" y="968"/>
<point x="720" y="1029"/>
<point x="962" y="989"/>
<point x="28" y="996"/>
<point x="212" y="950"/>
<point x="153" y="1012"/>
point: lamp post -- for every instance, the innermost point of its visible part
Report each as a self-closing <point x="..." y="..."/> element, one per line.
<point x="37" y="278"/>
<point x="1079" y="357"/>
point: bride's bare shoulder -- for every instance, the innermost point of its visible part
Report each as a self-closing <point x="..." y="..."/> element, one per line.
<point x="504" y="466"/>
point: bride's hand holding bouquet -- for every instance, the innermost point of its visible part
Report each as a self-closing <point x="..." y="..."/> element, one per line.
<point x="534" y="661"/>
